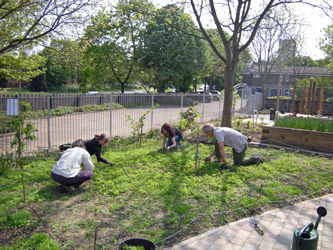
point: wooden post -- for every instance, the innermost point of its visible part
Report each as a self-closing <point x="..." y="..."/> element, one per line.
<point x="313" y="97"/>
<point x="278" y="97"/>
<point x="320" y="100"/>
<point x="308" y="106"/>
<point x="301" y="104"/>
<point x="292" y="108"/>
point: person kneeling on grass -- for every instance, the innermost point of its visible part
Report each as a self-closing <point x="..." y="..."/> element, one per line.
<point x="173" y="134"/>
<point x="94" y="147"/>
<point x="67" y="171"/>
<point x="225" y="136"/>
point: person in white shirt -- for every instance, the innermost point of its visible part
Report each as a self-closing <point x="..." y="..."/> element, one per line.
<point x="225" y="136"/>
<point x="67" y="171"/>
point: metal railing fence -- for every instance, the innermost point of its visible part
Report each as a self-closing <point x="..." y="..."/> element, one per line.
<point x="61" y="119"/>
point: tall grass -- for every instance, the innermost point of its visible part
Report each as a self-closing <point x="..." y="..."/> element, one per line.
<point x="322" y="125"/>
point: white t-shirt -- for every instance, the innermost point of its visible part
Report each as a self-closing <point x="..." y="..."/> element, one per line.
<point x="230" y="137"/>
<point x="69" y="165"/>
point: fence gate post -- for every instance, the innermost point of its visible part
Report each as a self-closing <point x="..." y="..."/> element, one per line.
<point x="181" y="102"/>
<point x="152" y="112"/>
<point x="203" y="107"/>
<point x="48" y="123"/>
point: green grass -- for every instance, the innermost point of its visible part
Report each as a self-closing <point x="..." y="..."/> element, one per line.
<point x="151" y="194"/>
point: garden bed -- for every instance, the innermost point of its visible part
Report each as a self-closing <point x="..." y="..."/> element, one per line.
<point x="305" y="139"/>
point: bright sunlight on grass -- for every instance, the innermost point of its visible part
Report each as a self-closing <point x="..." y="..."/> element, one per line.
<point x="152" y="194"/>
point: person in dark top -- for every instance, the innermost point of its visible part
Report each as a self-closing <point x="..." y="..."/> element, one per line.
<point x="173" y="134"/>
<point x="94" y="147"/>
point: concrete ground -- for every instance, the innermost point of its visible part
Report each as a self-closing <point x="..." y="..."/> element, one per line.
<point x="278" y="226"/>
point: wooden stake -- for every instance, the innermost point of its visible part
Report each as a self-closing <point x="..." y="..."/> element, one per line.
<point x="301" y="104"/>
<point x="320" y="100"/>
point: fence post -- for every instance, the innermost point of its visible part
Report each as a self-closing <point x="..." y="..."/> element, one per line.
<point x="152" y="112"/>
<point x="203" y="107"/>
<point x="110" y="114"/>
<point x="181" y="102"/>
<point x="48" y="123"/>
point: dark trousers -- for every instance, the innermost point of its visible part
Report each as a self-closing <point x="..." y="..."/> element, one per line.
<point x="238" y="157"/>
<point x="169" y="142"/>
<point x="76" y="181"/>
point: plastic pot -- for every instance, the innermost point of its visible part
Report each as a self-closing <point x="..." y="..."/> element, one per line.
<point x="146" y="244"/>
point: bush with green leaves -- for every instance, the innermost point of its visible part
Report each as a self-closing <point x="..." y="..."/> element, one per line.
<point x="37" y="241"/>
<point x="188" y="117"/>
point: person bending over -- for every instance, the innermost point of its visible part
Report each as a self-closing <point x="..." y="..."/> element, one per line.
<point x="225" y="136"/>
<point x="67" y="171"/>
<point x="174" y="137"/>
<point x="94" y="147"/>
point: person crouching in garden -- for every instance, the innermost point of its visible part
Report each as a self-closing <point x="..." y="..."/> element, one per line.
<point x="94" y="147"/>
<point x="174" y="137"/>
<point x="225" y="136"/>
<point x="67" y="171"/>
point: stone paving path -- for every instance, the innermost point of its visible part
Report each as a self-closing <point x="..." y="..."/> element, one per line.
<point x="278" y="225"/>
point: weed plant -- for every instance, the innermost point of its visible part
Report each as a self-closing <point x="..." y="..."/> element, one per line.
<point x="152" y="194"/>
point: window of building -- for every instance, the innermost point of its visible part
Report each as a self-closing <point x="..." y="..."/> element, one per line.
<point x="256" y="76"/>
<point x="287" y="78"/>
<point x="281" y="78"/>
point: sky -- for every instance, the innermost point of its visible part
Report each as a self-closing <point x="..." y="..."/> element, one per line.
<point x="316" y="20"/>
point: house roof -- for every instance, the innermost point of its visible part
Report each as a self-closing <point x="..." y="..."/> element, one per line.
<point x="286" y="70"/>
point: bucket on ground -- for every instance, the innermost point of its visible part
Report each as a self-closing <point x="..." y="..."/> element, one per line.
<point x="146" y="244"/>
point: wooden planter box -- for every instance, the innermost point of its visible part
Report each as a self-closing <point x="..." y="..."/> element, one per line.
<point x="310" y="140"/>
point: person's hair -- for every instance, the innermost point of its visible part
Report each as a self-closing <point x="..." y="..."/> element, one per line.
<point x="101" y="137"/>
<point x="168" y="128"/>
<point x="207" y="128"/>
<point x="79" y="143"/>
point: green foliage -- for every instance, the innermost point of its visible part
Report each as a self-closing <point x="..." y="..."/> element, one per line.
<point x="188" y="117"/>
<point x="21" y="68"/>
<point x="326" y="43"/>
<point x="152" y="189"/>
<point x="321" y="125"/>
<point x="170" y="57"/>
<point x="17" y="219"/>
<point x="137" y="125"/>
<point x="37" y="241"/>
<point x="23" y="133"/>
<point x="7" y="160"/>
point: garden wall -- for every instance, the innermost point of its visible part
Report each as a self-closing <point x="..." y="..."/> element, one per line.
<point x="310" y="140"/>
<point x="286" y="105"/>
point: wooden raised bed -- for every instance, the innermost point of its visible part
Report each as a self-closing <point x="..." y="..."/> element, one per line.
<point x="310" y="140"/>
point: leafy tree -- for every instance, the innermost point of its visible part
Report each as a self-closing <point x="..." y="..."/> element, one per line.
<point x="113" y="42"/>
<point x="38" y="84"/>
<point x="3" y="82"/>
<point x="239" y="18"/>
<point x="23" y="134"/>
<point x="21" y="67"/>
<point x="170" y="54"/>
<point x="326" y="44"/>
<point x="23" y="22"/>
<point x="65" y="62"/>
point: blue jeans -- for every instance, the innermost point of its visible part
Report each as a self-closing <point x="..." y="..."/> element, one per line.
<point x="169" y="142"/>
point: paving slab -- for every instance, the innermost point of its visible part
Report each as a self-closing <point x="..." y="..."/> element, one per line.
<point x="278" y="225"/>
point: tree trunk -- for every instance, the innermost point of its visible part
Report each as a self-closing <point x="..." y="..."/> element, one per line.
<point x="122" y="85"/>
<point x="228" y="95"/>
